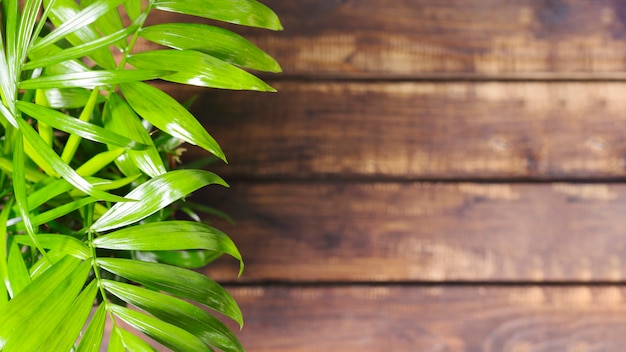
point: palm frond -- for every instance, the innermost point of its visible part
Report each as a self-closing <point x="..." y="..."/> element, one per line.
<point x="88" y="195"/>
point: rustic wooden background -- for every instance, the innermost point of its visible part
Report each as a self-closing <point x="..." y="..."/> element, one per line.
<point x="433" y="175"/>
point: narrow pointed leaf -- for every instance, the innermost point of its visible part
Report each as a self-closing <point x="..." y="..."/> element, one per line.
<point x="115" y="341"/>
<point x="167" y="334"/>
<point x="154" y="195"/>
<point x="66" y="244"/>
<point x="19" y="189"/>
<point x="44" y="264"/>
<point x="37" y="157"/>
<point x="134" y="343"/>
<point x="50" y="191"/>
<point x="215" y="41"/>
<point x="99" y="161"/>
<point x="91" y="340"/>
<point x="54" y="213"/>
<point x="66" y="333"/>
<point x="199" y="69"/>
<point x="244" y="12"/>
<point x="79" y="51"/>
<point x="73" y="141"/>
<point x="120" y="118"/>
<point x="64" y="11"/>
<point x="180" y="282"/>
<point x="190" y="259"/>
<point x="72" y="125"/>
<point x="91" y="79"/>
<point x="81" y="19"/>
<point x="169" y="235"/>
<point x="34" y="296"/>
<point x="109" y="22"/>
<point x="31" y="174"/>
<point x="4" y="252"/>
<point x="17" y="272"/>
<point x="62" y="168"/>
<point x="68" y="98"/>
<point x="168" y="115"/>
<point x="36" y="328"/>
<point x="178" y="312"/>
<point x="133" y="9"/>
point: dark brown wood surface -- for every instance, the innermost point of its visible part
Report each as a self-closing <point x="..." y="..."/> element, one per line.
<point x="530" y="130"/>
<point x="433" y="318"/>
<point x="432" y="176"/>
<point x="493" y="39"/>
<point x="424" y="232"/>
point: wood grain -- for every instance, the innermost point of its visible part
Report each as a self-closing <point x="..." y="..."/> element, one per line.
<point x="438" y="318"/>
<point x="462" y="130"/>
<point x="523" y="39"/>
<point x="431" y="232"/>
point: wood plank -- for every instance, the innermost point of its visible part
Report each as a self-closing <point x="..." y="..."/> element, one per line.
<point x="464" y="130"/>
<point x="431" y="232"/>
<point x="438" y="318"/>
<point x="449" y="38"/>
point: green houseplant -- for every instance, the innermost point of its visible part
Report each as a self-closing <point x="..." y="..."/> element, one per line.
<point x="91" y="198"/>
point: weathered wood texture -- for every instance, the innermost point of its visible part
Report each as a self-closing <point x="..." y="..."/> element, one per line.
<point x="438" y="318"/>
<point x="448" y="38"/>
<point x="532" y="130"/>
<point x="345" y="251"/>
<point x="381" y="232"/>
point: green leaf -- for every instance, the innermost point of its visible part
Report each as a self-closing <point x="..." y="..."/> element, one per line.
<point x="79" y="51"/>
<point x="99" y="161"/>
<point x="91" y="79"/>
<point x="218" y="42"/>
<point x="168" y="115"/>
<point x="19" y="189"/>
<point x="190" y="259"/>
<point x="109" y="22"/>
<point x="132" y="342"/>
<point x="94" y="333"/>
<point x="68" y="98"/>
<point x="167" y="334"/>
<point x="72" y="125"/>
<point x="180" y="282"/>
<point x="49" y="191"/>
<point x="66" y="244"/>
<point x="115" y="341"/>
<point x="17" y="274"/>
<point x="32" y="175"/>
<point x="199" y="69"/>
<point x="65" y="334"/>
<point x="37" y="327"/>
<point x="64" y="11"/>
<point x="4" y="249"/>
<point x="244" y="12"/>
<point x="43" y="264"/>
<point x="56" y="212"/>
<point x="42" y="292"/>
<point x="73" y="141"/>
<point x="169" y="235"/>
<point x="178" y="312"/>
<point x="120" y="118"/>
<point x="81" y="19"/>
<point x="154" y="195"/>
<point x="62" y="168"/>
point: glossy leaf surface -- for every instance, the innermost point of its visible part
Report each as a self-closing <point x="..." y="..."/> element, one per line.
<point x="167" y="114"/>
<point x="178" y="312"/>
<point x="199" y="69"/>
<point x="180" y="282"/>
<point x="153" y="196"/>
<point x="244" y="12"/>
<point x="218" y="42"/>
